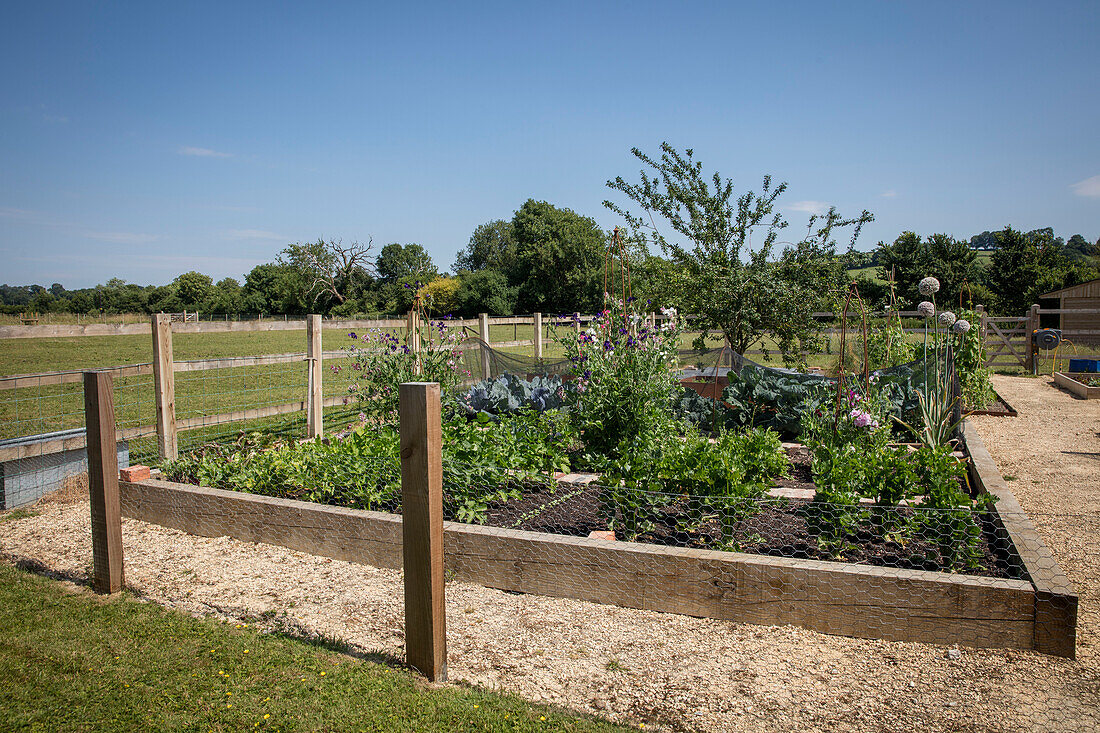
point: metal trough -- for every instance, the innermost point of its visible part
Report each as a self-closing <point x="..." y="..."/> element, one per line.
<point x="43" y="468"/>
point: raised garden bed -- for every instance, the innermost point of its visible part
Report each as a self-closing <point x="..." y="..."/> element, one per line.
<point x="1084" y="385"/>
<point x="884" y="595"/>
<point x="998" y="408"/>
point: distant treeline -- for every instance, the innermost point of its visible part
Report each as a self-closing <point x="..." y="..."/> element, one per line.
<point x="552" y="260"/>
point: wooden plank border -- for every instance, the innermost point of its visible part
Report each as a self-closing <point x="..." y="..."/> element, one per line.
<point x="835" y="598"/>
<point x="1054" y="596"/>
<point x="1082" y="390"/>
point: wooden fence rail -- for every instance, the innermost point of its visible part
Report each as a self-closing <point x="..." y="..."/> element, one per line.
<point x="1007" y="341"/>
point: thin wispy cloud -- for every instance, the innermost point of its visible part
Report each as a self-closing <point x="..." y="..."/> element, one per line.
<point x="809" y="207"/>
<point x="164" y="262"/>
<point x="8" y="212"/>
<point x="889" y="194"/>
<point x="39" y="219"/>
<point x="203" y="152"/>
<point x="121" y="237"/>
<point x="1090" y="187"/>
<point x="252" y="234"/>
<point x="234" y="209"/>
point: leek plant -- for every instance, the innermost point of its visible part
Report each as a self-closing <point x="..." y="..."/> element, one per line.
<point x="937" y="398"/>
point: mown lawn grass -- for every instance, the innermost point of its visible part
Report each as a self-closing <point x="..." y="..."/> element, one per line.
<point x="79" y="662"/>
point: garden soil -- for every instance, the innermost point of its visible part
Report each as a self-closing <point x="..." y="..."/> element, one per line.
<point x="664" y="671"/>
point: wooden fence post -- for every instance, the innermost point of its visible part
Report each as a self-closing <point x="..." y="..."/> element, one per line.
<point x="164" y="382"/>
<point x="99" y="417"/>
<point x="1032" y="349"/>
<point x="422" y="529"/>
<point x="483" y="334"/>
<point x="577" y="323"/>
<point x="538" y="335"/>
<point x="315" y="400"/>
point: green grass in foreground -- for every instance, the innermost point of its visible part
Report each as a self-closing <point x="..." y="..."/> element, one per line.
<point x="76" y="661"/>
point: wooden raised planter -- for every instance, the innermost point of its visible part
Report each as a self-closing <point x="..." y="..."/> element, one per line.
<point x="831" y="597"/>
<point x="1071" y="382"/>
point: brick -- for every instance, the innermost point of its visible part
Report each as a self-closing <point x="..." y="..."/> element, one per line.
<point x="134" y="473"/>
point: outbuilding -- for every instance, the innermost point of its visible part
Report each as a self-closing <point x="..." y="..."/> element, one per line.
<point x="1085" y="296"/>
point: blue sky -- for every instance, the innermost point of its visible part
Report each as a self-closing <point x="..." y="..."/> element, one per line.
<point x="143" y="140"/>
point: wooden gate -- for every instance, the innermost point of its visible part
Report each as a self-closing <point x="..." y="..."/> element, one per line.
<point x="1006" y="341"/>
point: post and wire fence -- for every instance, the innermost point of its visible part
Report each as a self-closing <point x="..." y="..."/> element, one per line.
<point x="421" y="506"/>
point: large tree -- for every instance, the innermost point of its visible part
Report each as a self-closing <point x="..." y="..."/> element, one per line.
<point x="397" y="261"/>
<point x="1079" y="248"/>
<point x="734" y="285"/>
<point x="484" y="291"/>
<point x="333" y="271"/>
<point x="909" y="259"/>
<point x="1024" y="265"/>
<point x="559" y="260"/>
<point x="276" y="288"/>
<point x="491" y="246"/>
<point x="193" y="288"/>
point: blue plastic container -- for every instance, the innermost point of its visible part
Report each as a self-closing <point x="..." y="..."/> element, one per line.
<point x="1089" y="366"/>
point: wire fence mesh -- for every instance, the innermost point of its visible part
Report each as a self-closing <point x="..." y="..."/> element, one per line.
<point x="767" y="554"/>
<point x="771" y="556"/>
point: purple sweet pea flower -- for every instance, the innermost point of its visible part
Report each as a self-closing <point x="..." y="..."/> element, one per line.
<point x="860" y="418"/>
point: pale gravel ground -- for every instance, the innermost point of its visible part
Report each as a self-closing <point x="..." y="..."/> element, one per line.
<point x="667" y="671"/>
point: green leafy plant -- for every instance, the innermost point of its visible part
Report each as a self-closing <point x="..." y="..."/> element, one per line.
<point x="938" y="399"/>
<point x="483" y="462"/>
<point x="975" y="377"/>
<point x="382" y="362"/>
<point x="775" y="399"/>
<point x="724" y="476"/>
<point x="625" y="375"/>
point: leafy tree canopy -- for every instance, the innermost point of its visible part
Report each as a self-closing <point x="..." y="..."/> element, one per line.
<point x="193" y="288"/>
<point x="485" y="291"/>
<point x="736" y="288"/>
<point x="397" y="261"/>
<point x="559" y="259"/>
<point x="909" y="259"/>
<point x="491" y="246"/>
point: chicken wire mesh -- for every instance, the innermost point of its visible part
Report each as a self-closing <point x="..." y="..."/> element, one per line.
<point x="937" y="575"/>
<point x="316" y="531"/>
<point x="958" y="578"/>
<point x="42" y="421"/>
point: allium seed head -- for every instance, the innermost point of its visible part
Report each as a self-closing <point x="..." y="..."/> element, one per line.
<point x="929" y="286"/>
<point x="961" y="326"/>
<point x="946" y="318"/>
<point x="926" y="309"/>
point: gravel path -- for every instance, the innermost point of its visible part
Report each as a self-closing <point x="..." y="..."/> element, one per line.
<point x="666" y="671"/>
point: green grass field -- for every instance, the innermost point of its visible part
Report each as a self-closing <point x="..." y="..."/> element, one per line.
<point x="80" y="662"/>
